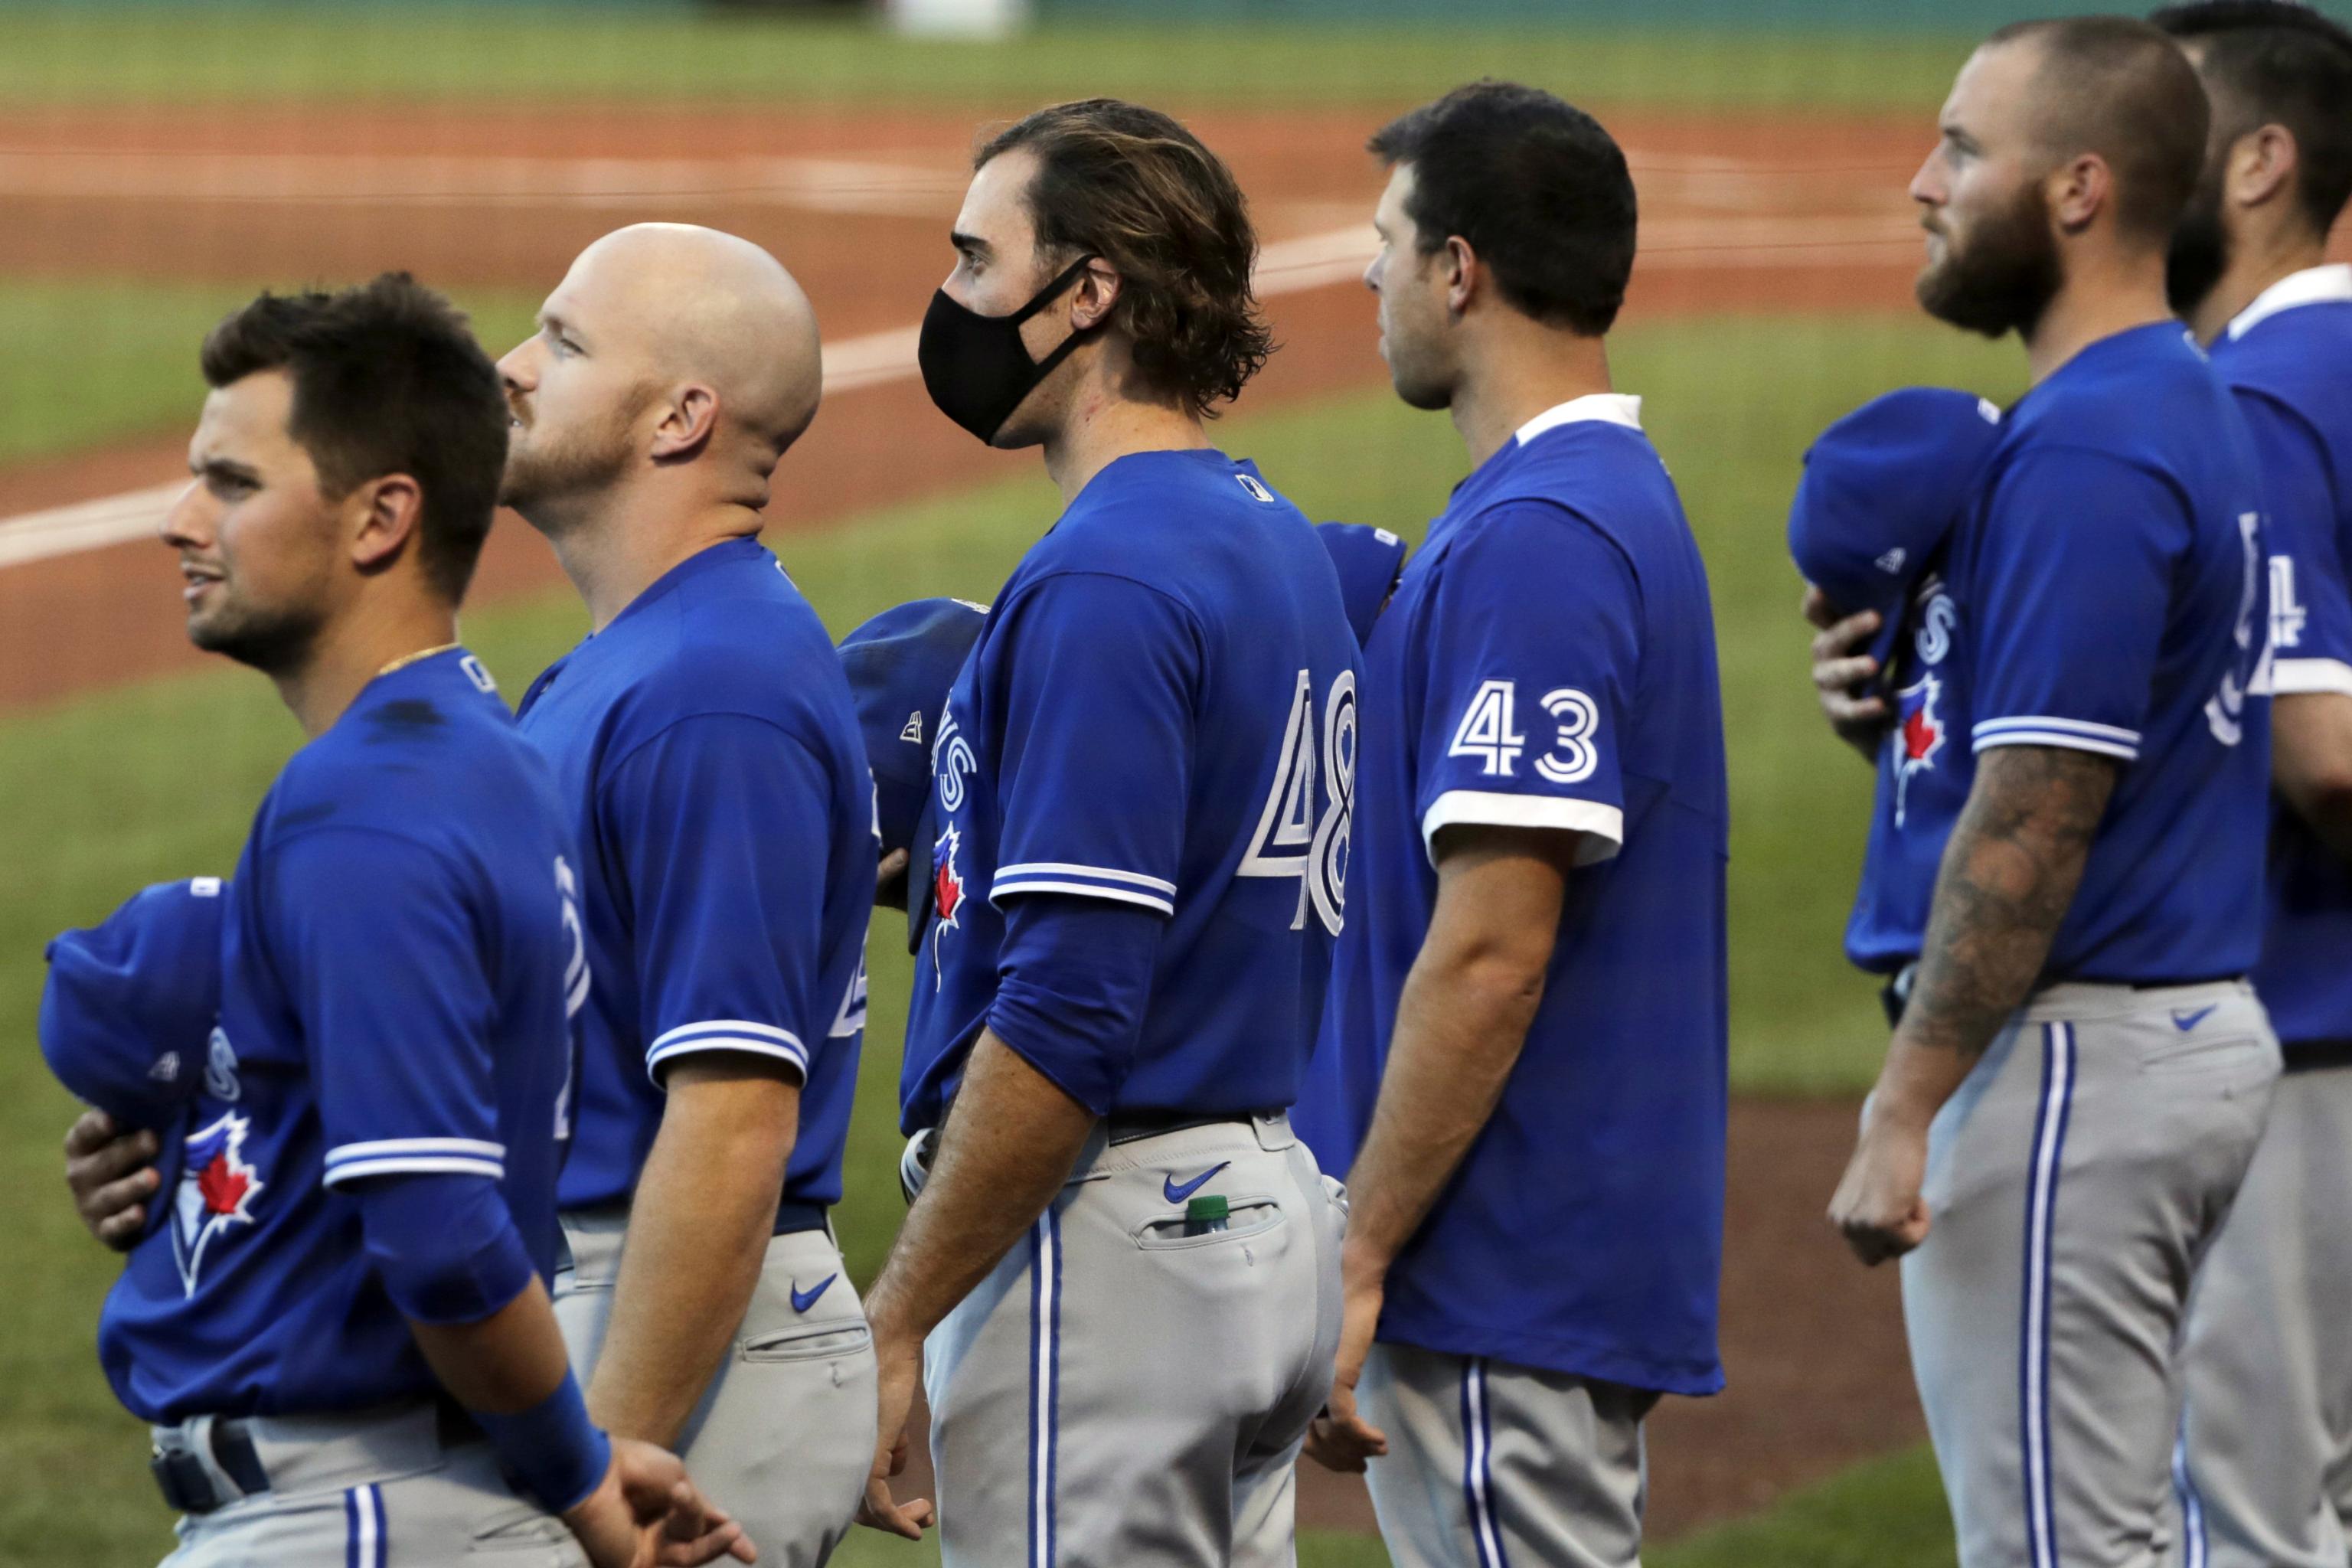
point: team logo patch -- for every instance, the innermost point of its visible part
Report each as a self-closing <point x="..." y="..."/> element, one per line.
<point x="217" y="1187"/>
<point x="1919" y="734"/>
<point x="947" y="882"/>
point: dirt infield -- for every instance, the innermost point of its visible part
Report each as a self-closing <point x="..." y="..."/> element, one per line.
<point x="1738" y="213"/>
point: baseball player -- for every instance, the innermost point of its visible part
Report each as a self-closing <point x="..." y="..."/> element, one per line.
<point x="1370" y="562"/>
<point x="2265" y="1470"/>
<point x="338" y="1326"/>
<point x="1118" y="1280"/>
<point x="710" y="766"/>
<point x="2080" y="1070"/>
<point x="1522" y="1062"/>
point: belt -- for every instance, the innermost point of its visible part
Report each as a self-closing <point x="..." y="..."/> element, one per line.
<point x="1896" y="992"/>
<point x="1126" y="1126"/>
<point x="793" y="1216"/>
<point x="2317" y="1055"/>
<point x="189" y="1488"/>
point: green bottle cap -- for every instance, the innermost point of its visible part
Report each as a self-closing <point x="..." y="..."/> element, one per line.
<point x="1207" y="1206"/>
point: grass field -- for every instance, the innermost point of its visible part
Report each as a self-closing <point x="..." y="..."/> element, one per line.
<point x="102" y="793"/>
<point x="230" y="55"/>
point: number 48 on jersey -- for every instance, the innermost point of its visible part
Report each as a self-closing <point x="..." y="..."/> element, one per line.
<point x="1301" y="834"/>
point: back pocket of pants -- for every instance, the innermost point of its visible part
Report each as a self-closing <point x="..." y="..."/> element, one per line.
<point x="1244" y="1217"/>
<point x="808" y="1341"/>
<point x="2191" y="1056"/>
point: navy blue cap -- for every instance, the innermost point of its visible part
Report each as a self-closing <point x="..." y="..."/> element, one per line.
<point x="1882" y="489"/>
<point x="900" y="665"/>
<point x="128" y="1013"/>
<point x="1369" y="559"/>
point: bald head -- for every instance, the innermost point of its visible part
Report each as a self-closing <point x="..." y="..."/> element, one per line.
<point x="669" y="354"/>
<point x="697" y="305"/>
<point x="2119" y="89"/>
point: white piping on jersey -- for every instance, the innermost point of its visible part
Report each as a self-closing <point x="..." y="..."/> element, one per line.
<point x="727" y="1034"/>
<point x="998" y="891"/>
<point x="2294" y="676"/>
<point x="2074" y="734"/>
<point x="1603" y="826"/>
<point x="1604" y="407"/>
<point x="1064" y="868"/>
<point x="2327" y="285"/>
<point x="413" y="1166"/>
<point x="414" y="1156"/>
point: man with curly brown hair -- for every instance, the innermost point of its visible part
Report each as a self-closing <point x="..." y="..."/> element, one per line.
<point x="1120" y="1279"/>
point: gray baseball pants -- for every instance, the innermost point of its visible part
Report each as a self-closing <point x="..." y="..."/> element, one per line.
<point x="367" y="1489"/>
<point x="1117" y="1394"/>
<point x="2264" y="1467"/>
<point x="2074" y="1185"/>
<point x="785" y="1435"/>
<point x="1496" y="1466"/>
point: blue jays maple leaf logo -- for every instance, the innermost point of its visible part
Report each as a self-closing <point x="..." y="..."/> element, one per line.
<point x="216" y="1190"/>
<point x="1920" y="736"/>
<point x="947" y="882"/>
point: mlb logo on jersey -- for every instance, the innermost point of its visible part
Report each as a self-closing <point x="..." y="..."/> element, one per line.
<point x="1919" y="734"/>
<point x="216" y="1190"/>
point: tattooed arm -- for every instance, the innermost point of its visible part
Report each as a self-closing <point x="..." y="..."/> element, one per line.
<point x="2008" y="876"/>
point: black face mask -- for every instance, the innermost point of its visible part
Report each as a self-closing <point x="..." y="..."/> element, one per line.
<point x="976" y="368"/>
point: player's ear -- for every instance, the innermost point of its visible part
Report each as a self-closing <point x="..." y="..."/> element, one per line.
<point x="1463" y="276"/>
<point x="2080" y="189"/>
<point x="2262" y="165"/>
<point x="1096" y="296"/>
<point x="687" y="424"/>
<point x="382" y="515"/>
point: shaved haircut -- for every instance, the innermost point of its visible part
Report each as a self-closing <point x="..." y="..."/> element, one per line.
<point x="2274" y="62"/>
<point x="2122" y="89"/>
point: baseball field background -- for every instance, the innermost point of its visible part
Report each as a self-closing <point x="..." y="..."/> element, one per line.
<point x="161" y="162"/>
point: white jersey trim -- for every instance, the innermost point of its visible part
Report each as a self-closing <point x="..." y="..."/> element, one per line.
<point x="413" y="1164"/>
<point x="999" y="892"/>
<point x="2296" y="677"/>
<point x="2313" y="285"/>
<point x="726" y="1034"/>
<point x="377" y="1148"/>
<point x="1066" y="868"/>
<point x="1603" y="826"/>
<point x="2071" y="734"/>
<point x="1603" y="408"/>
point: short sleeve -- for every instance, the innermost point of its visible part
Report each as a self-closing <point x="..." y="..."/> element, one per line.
<point x="1094" y="675"/>
<point x="2311" y="610"/>
<point x="722" y="824"/>
<point x="2069" y="593"/>
<point x="383" y="947"/>
<point x="1531" y="657"/>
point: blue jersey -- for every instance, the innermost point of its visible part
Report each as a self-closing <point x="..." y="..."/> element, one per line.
<point x="2105" y="593"/>
<point x="714" y="775"/>
<point x="1923" y="781"/>
<point x="398" y="956"/>
<point x="2288" y="357"/>
<point x="1160" y="713"/>
<point x="1549" y="661"/>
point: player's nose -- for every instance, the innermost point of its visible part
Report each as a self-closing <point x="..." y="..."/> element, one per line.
<point x="187" y="521"/>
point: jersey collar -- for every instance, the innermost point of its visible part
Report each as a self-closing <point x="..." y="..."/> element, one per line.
<point x="2312" y="286"/>
<point x="1606" y="407"/>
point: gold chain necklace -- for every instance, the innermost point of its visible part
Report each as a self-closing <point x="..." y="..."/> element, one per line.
<point x="406" y="659"/>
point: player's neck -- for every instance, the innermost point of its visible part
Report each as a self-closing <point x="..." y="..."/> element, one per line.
<point x="353" y="649"/>
<point x="1104" y="427"/>
<point x="1519" y="373"/>
<point x="616" y="553"/>
<point x="2102" y="296"/>
<point x="2256" y="262"/>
